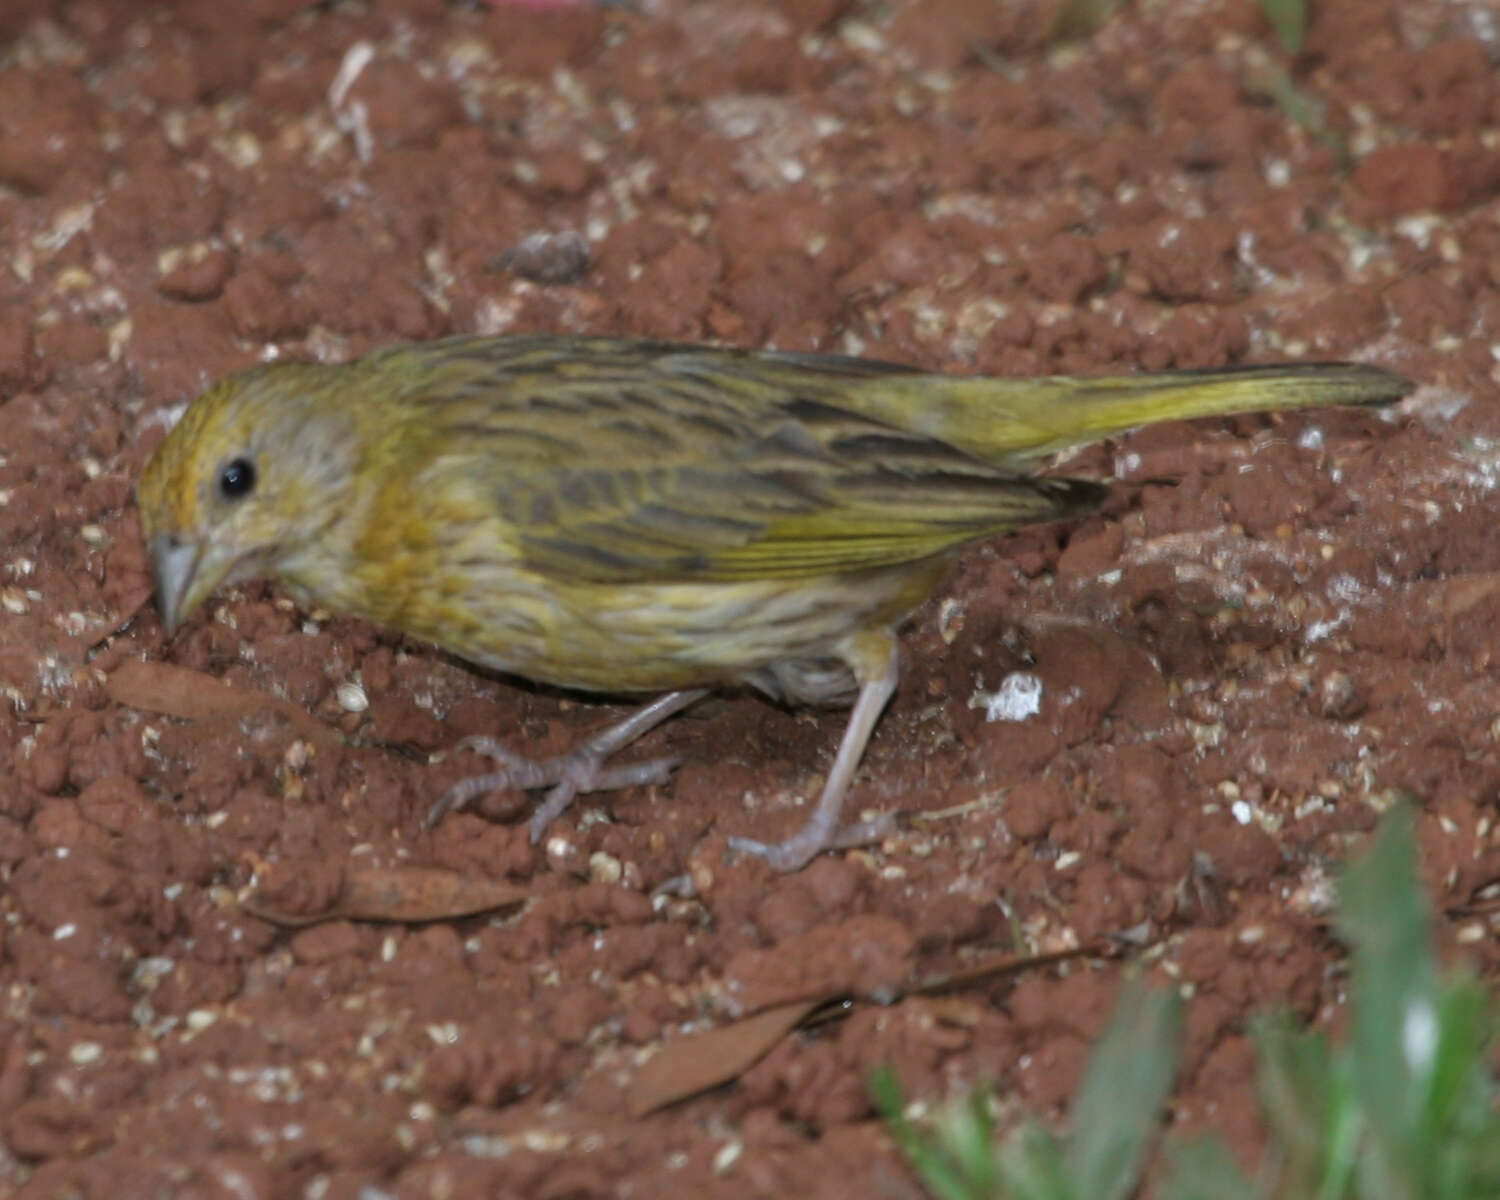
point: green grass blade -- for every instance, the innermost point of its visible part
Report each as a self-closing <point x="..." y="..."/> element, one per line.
<point x="1269" y="78"/>
<point x="1343" y="1133"/>
<point x="968" y="1130"/>
<point x="1032" y="1166"/>
<point x="1462" y="1018"/>
<point x="1420" y="1042"/>
<point x="1396" y="1021"/>
<point x="940" y="1174"/>
<point x="1288" y="21"/>
<point x="1118" y="1108"/>
<point x="1075" y="20"/>
<point x="1201" y="1168"/>
<point x="1462" y="1116"/>
<point x="1408" y="1108"/>
<point x="1295" y="1087"/>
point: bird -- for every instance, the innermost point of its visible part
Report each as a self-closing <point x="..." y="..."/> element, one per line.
<point x="643" y="518"/>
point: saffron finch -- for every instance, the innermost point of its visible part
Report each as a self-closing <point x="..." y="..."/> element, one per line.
<point x="638" y="517"/>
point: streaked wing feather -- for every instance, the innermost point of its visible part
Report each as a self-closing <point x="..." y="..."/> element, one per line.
<point x="623" y="461"/>
<point x="815" y="490"/>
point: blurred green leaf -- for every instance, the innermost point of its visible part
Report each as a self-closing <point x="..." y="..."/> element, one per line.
<point x="1395" y="1023"/>
<point x="1289" y="22"/>
<point x="1119" y="1105"/>
<point x="942" y="1172"/>
<point x="1077" y="19"/>
<point x="1203" y="1169"/>
<point x="1419" y="1041"/>
<point x="969" y="1131"/>
<point x="1032" y="1166"/>
<point x="1268" y="78"/>
<point x="1407" y="1109"/>
<point x="1462" y="1035"/>
<point x="1307" y="1099"/>
<point x="1115" y="1117"/>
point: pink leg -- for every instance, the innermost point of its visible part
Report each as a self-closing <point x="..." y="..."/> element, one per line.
<point x="580" y="770"/>
<point x="822" y="831"/>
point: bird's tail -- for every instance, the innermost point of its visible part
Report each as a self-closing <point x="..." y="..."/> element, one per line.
<point x="1013" y="421"/>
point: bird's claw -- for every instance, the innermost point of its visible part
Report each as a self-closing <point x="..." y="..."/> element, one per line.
<point x="811" y="840"/>
<point x="587" y="774"/>
<point x="565" y="776"/>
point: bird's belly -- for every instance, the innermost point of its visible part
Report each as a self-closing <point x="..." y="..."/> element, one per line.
<point x="645" y="637"/>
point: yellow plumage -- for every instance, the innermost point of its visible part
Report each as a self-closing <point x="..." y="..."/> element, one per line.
<point x="635" y="517"/>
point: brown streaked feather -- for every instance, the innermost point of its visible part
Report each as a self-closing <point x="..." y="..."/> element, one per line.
<point x="691" y="464"/>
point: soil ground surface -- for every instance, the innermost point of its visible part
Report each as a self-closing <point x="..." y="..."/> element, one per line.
<point x="1276" y="626"/>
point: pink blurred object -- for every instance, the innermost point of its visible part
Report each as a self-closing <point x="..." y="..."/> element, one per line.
<point x="537" y="5"/>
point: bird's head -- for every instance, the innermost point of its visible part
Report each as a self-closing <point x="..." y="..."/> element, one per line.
<point x="252" y="473"/>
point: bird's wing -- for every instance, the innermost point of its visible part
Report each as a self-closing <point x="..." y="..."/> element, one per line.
<point x="659" y="490"/>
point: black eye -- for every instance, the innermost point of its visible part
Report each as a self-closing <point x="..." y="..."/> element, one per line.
<point x="237" y="478"/>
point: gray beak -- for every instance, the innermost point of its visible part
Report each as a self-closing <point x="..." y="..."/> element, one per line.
<point x="174" y="564"/>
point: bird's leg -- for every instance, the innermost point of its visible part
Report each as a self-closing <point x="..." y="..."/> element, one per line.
<point x="823" y="831"/>
<point x="582" y="769"/>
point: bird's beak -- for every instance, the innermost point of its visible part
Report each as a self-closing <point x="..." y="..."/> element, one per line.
<point x="174" y="564"/>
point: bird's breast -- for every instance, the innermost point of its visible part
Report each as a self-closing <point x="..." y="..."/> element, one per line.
<point x="648" y="637"/>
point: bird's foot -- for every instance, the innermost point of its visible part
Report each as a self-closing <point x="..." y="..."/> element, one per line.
<point x="581" y="770"/>
<point x="813" y="838"/>
<point x="823" y="830"/>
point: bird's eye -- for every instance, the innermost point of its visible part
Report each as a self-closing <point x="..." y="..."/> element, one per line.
<point x="237" y="479"/>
